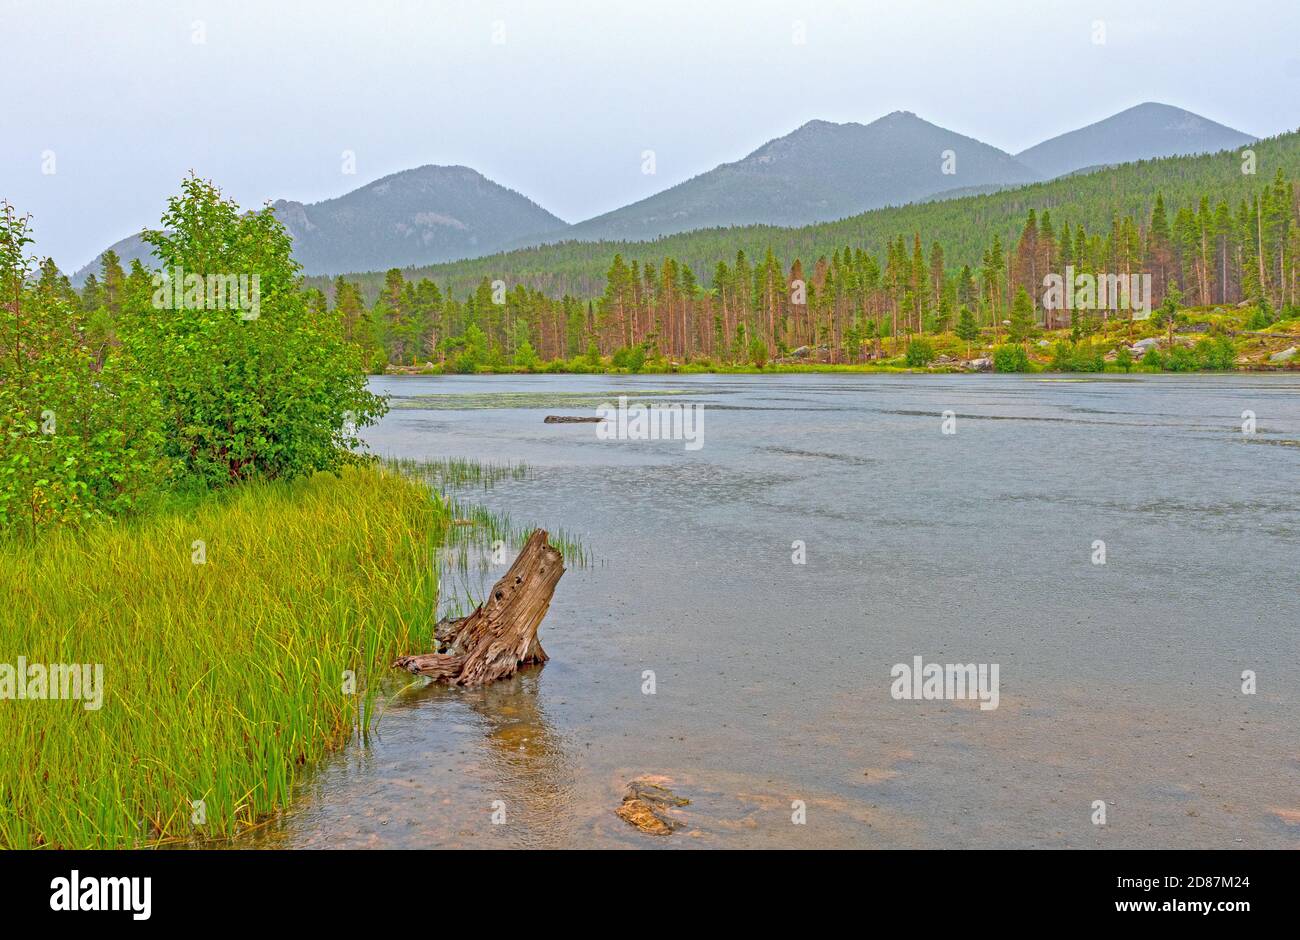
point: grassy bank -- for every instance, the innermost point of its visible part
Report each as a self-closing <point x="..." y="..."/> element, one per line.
<point x="222" y="679"/>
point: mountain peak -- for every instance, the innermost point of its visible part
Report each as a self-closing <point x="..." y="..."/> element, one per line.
<point x="818" y="172"/>
<point x="1142" y="132"/>
<point x="422" y="215"/>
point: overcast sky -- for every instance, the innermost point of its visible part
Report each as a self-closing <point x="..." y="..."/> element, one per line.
<point x="559" y="99"/>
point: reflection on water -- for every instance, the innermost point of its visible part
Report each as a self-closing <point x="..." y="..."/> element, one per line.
<point x="1118" y="682"/>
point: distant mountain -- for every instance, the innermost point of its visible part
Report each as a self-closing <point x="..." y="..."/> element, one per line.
<point x="963" y="223"/>
<point x="1140" y="133"/>
<point x="820" y="172"/>
<point x="421" y="216"/>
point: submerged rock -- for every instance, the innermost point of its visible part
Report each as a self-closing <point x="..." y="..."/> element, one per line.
<point x="646" y="806"/>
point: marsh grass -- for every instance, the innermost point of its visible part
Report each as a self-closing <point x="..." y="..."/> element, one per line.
<point x="457" y="473"/>
<point x="465" y="554"/>
<point x="223" y="681"/>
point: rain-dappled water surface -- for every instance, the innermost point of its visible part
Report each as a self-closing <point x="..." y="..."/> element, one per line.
<point x="1119" y="682"/>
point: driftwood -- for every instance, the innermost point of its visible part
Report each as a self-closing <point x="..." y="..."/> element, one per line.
<point x="573" y="419"/>
<point x="501" y="634"/>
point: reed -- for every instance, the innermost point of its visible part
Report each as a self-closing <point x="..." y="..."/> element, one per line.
<point x="228" y="665"/>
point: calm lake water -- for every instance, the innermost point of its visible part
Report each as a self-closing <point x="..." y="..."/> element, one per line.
<point x="1118" y="682"/>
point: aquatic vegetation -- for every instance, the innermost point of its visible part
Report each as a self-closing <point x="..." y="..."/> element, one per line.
<point x="478" y="542"/>
<point x="486" y="400"/>
<point x="456" y="473"/>
<point x="238" y="638"/>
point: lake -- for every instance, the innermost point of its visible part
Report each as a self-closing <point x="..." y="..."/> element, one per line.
<point x="1120" y="681"/>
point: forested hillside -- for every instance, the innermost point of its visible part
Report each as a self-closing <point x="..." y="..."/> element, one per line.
<point x="1202" y="248"/>
<point x="964" y="226"/>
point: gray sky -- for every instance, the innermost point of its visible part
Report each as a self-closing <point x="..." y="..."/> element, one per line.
<point x="264" y="96"/>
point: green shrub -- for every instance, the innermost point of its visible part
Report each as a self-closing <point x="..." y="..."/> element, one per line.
<point x="1010" y="358"/>
<point x="526" y="357"/>
<point x="275" y="394"/>
<point x="1216" y="353"/>
<point x="920" y="353"/>
<point x="1182" y="359"/>
<point x="81" y="425"/>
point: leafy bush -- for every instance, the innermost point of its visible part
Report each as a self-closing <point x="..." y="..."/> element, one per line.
<point x="1182" y="359"/>
<point x="81" y="428"/>
<point x="1216" y="353"/>
<point x="270" y="391"/>
<point x="526" y="357"/>
<point x="1010" y="358"/>
<point x="1077" y="357"/>
<point x="1262" y="316"/>
<point x="630" y="358"/>
<point x="920" y="353"/>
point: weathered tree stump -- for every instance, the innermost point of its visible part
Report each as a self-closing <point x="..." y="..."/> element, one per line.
<point x="501" y="634"/>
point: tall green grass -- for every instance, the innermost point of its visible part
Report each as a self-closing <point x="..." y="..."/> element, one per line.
<point x="224" y="680"/>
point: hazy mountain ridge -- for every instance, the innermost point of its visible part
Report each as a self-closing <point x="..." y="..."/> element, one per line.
<point x="412" y="217"/>
<point x="820" y="172"/>
<point x="425" y="215"/>
<point x="1142" y="132"/>
<point x="817" y="173"/>
<point x="963" y="222"/>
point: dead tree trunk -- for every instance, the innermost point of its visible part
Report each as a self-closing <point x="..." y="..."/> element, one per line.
<point x="501" y="634"/>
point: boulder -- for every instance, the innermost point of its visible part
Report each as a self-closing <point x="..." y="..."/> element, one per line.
<point x="1283" y="356"/>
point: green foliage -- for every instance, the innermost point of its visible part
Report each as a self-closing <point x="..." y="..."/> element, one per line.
<point x="526" y="357"/>
<point x="1010" y="358"/>
<point x="1182" y="359"/>
<point x="1261" y="317"/>
<point x="1078" y="357"/>
<point x="1022" y="317"/>
<point x="920" y="353"/>
<point x="757" y="353"/>
<point x="967" y="329"/>
<point x="630" y="358"/>
<point x="1216" y="353"/>
<point x="1124" y="359"/>
<point x="81" y="426"/>
<point x="266" y="389"/>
